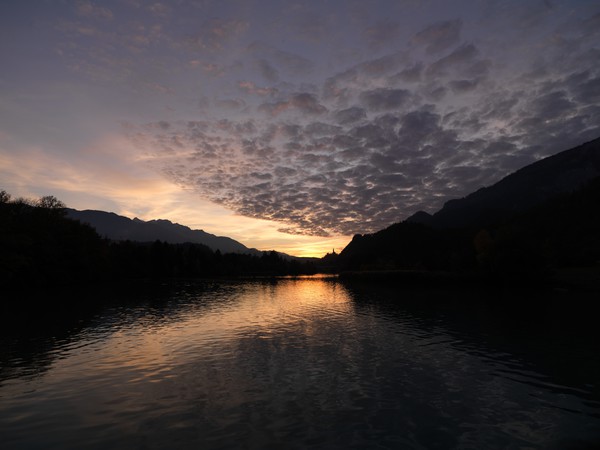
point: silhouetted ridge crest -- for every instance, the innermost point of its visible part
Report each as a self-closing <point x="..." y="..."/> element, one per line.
<point x="421" y="217"/>
<point x="541" y="217"/>
<point x="561" y="173"/>
<point x="121" y="228"/>
<point x="41" y="247"/>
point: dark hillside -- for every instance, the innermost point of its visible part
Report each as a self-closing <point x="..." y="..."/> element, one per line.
<point x="532" y="185"/>
<point x="40" y="247"/>
<point x="407" y="246"/>
<point x="543" y="217"/>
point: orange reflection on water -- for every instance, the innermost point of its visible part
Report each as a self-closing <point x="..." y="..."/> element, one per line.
<point x="204" y="343"/>
<point x="213" y="321"/>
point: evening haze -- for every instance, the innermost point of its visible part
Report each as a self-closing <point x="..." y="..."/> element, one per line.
<point x="288" y="125"/>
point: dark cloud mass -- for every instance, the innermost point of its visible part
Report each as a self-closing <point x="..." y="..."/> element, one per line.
<point x="382" y="99"/>
<point x="412" y="118"/>
<point x="349" y="115"/>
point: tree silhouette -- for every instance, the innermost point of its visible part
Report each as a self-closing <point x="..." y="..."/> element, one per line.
<point x="51" y="202"/>
<point x="4" y="197"/>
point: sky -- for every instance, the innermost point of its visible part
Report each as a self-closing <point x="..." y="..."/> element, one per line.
<point x="288" y="125"/>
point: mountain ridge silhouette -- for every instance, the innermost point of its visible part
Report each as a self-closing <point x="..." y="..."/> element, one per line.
<point x="540" y="217"/>
<point x="120" y="228"/>
<point x="529" y="186"/>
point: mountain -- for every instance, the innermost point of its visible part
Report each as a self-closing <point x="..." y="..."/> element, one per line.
<point x="41" y="246"/>
<point x="120" y="228"/>
<point x="542" y="216"/>
<point x="421" y="217"/>
<point x="532" y="185"/>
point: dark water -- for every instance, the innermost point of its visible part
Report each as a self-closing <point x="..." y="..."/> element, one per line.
<point x="305" y="363"/>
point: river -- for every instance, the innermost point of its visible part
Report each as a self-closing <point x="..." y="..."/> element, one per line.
<point x="306" y="362"/>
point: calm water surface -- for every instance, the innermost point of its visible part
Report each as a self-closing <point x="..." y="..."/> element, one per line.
<point x="303" y="363"/>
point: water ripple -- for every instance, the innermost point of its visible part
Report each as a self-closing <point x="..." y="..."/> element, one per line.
<point x="295" y="363"/>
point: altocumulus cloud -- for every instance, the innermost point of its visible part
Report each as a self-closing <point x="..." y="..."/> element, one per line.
<point x="367" y="144"/>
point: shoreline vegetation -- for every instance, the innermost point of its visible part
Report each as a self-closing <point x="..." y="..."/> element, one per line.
<point x="552" y="240"/>
<point x="585" y="279"/>
<point x="40" y="247"/>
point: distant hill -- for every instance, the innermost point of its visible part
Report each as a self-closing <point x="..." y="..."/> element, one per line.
<point x="41" y="247"/>
<point x="532" y="185"/>
<point x="120" y="228"/>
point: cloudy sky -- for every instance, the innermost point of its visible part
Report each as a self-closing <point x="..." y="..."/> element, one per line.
<point x="288" y="124"/>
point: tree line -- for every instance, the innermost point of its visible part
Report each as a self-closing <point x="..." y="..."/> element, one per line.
<point x="40" y="246"/>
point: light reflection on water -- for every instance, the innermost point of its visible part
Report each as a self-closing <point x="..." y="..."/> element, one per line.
<point x="297" y="363"/>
